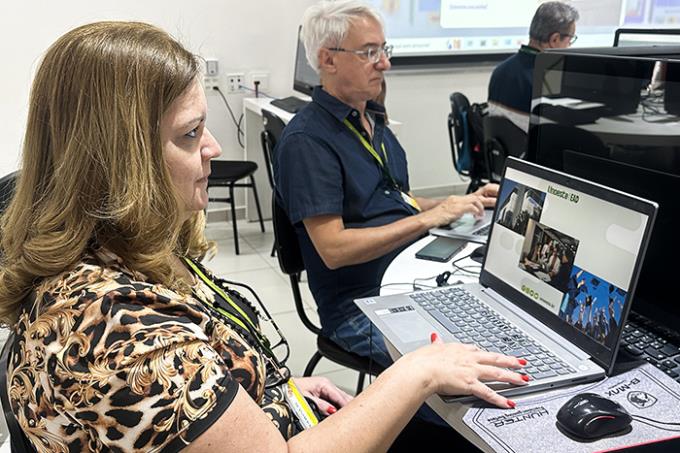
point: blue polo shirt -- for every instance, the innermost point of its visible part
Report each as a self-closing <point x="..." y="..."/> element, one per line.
<point x="511" y="82"/>
<point x="321" y="168"/>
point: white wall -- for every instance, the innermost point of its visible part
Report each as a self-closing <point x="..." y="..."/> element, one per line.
<point x="245" y="36"/>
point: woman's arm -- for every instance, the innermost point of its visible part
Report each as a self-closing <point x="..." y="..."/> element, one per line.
<point x="372" y="420"/>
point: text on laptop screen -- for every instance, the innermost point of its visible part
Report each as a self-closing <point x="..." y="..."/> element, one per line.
<point x="569" y="252"/>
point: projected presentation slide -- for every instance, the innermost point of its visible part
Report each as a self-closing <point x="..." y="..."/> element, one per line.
<point x="432" y="27"/>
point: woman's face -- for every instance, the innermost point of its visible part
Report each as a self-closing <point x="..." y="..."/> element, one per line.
<point x="188" y="147"/>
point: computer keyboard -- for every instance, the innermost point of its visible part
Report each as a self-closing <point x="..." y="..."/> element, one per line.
<point x="645" y="340"/>
<point x="290" y="104"/>
<point x="483" y="231"/>
<point x="471" y="321"/>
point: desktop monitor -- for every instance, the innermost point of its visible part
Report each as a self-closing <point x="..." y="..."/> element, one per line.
<point x="305" y="77"/>
<point x="620" y="133"/>
<point x="634" y="37"/>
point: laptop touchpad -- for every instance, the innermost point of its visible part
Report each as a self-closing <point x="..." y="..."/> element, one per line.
<point x="407" y="324"/>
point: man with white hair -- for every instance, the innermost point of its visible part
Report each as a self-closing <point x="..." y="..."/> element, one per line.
<point x="341" y="175"/>
<point x="510" y="88"/>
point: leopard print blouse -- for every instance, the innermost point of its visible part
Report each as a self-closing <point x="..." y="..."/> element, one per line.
<point x="105" y="361"/>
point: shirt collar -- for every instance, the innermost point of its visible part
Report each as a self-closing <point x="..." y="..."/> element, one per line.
<point x="339" y="109"/>
<point x="529" y="49"/>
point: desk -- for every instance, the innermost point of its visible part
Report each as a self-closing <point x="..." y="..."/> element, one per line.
<point x="399" y="276"/>
<point x="404" y="269"/>
<point x="252" y="124"/>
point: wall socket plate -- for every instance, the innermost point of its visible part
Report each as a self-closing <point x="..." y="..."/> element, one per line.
<point x="211" y="78"/>
<point x="234" y="82"/>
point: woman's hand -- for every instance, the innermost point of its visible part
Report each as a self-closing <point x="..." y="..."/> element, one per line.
<point x="324" y="393"/>
<point x="462" y="369"/>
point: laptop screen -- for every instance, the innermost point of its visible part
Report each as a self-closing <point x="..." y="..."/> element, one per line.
<point x="570" y="250"/>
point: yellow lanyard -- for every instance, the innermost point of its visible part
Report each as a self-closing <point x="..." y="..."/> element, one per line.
<point x="251" y="328"/>
<point x="367" y="145"/>
<point x="385" y="170"/>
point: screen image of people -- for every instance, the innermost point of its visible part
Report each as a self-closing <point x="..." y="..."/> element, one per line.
<point x="548" y="254"/>
<point x="567" y="251"/>
<point x="519" y="205"/>
<point x="593" y="306"/>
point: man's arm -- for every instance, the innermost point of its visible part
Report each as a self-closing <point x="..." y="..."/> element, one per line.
<point x="339" y="246"/>
<point x="487" y="195"/>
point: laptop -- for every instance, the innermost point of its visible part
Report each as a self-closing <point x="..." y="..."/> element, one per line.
<point x="556" y="285"/>
<point x="467" y="227"/>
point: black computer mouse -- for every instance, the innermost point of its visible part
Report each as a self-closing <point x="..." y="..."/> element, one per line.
<point x="589" y="416"/>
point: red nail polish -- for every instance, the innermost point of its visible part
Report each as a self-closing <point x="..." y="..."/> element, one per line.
<point x="332" y="410"/>
<point x="433" y="337"/>
<point x="511" y="404"/>
<point x="522" y="361"/>
<point x="525" y="378"/>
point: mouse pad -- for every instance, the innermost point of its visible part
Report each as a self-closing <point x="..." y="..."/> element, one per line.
<point x="644" y="391"/>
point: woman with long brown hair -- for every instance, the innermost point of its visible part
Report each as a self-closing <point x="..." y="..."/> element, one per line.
<point x="122" y="340"/>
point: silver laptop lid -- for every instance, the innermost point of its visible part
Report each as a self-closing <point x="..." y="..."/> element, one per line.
<point x="568" y="252"/>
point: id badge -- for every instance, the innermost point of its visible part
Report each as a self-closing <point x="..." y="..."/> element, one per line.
<point x="299" y="405"/>
<point x="410" y="201"/>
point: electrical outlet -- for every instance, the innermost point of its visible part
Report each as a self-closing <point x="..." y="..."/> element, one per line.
<point x="260" y="76"/>
<point x="234" y="82"/>
<point x="211" y="78"/>
<point x="211" y="83"/>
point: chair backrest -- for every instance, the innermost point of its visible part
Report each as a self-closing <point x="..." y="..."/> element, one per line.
<point x="458" y="132"/>
<point x="273" y="128"/>
<point x="18" y="440"/>
<point x="7" y="184"/>
<point x="502" y="138"/>
<point x="290" y="258"/>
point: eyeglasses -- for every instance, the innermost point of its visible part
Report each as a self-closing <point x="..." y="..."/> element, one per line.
<point x="372" y="54"/>
<point x="572" y="38"/>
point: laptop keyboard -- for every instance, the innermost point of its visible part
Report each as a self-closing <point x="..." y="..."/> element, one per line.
<point x="483" y="231"/>
<point x="644" y="340"/>
<point x="471" y="321"/>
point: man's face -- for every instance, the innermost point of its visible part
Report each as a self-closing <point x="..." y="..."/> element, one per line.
<point x="356" y="76"/>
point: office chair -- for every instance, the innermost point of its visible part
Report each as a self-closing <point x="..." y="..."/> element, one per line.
<point x="502" y="138"/>
<point x="464" y="142"/>
<point x="18" y="440"/>
<point x="270" y="135"/>
<point x="291" y="263"/>
<point x="19" y="443"/>
<point x="227" y="173"/>
<point x="7" y="184"/>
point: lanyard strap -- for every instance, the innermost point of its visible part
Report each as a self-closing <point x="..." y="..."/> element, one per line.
<point x="367" y="145"/>
<point x="242" y="319"/>
<point x="383" y="167"/>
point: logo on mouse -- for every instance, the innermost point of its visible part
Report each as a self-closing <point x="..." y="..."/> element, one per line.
<point x="641" y="400"/>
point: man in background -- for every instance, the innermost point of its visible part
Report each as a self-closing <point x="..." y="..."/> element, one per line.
<point x="511" y="84"/>
<point x="342" y="177"/>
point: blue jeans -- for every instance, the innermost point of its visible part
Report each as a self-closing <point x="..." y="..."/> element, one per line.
<point x="358" y="335"/>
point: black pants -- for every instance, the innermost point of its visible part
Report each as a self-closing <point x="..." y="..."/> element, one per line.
<point x="420" y="436"/>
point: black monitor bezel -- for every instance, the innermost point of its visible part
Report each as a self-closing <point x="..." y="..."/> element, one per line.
<point x="600" y="354"/>
<point x="299" y="85"/>
<point x="644" y="31"/>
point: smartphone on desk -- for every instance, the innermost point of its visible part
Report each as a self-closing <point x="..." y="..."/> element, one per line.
<point x="441" y="249"/>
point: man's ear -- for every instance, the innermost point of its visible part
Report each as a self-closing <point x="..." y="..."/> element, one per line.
<point x="327" y="61"/>
<point x="554" y="40"/>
